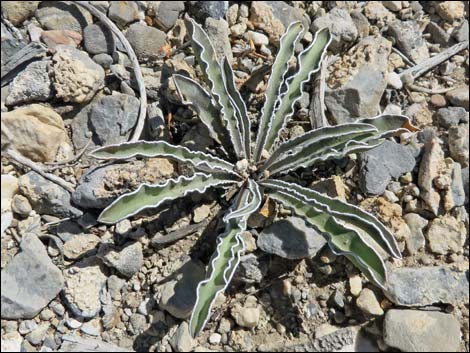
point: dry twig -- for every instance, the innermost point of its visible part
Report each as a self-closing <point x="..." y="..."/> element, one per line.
<point x="14" y="155"/>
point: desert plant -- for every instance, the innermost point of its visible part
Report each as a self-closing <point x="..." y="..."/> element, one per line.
<point x="256" y="171"/>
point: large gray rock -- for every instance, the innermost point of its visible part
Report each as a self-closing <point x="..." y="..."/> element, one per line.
<point x="358" y="95"/>
<point x="341" y="26"/>
<point x="288" y="14"/>
<point x="30" y="281"/>
<point x="47" y="197"/>
<point x="421" y="331"/>
<point x="112" y="118"/>
<point x="379" y="165"/>
<point x="146" y="41"/>
<point x="33" y="84"/>
<point x="427" y="285"/>
<point x="409" y="39"/>
<point x="291" y="238"/>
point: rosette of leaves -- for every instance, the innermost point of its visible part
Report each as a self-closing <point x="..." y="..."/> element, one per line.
<point x="256" y="166"/>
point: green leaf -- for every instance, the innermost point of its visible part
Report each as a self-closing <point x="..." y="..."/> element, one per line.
<point x="223" y="264"/>
<point x="390" y="124"/>
<point x="249" y="206"/>
<point x="209" y="113"/>
<point x="308" y="63"/>
<point x="342" y="240"/>
<point x="240" y="107"/>
<point x="316" y="145"/>
<point x="150" y="196"/>
<point x="352" y="215"/>
<point x="200" y="160"/>
<point x="211" y="69"/>
<point x="276" y="81"/>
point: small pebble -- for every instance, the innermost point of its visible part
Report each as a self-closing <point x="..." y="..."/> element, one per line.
<point x="438" y="100"/>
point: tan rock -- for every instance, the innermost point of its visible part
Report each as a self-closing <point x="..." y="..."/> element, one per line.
<point x="54" y="38"/>
<point x="9" y="189"/>
<point x="261" y="16"/>
<point x="79" y="245"/>
<point x="450" y="10"/>
<point x="446" y="235"/>
<point x="432" y="165"/>
<point x="36" y="131"/>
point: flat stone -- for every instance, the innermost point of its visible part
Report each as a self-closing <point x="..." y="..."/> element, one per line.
<point x="37" y="336"/>
<point x="446" y="235"/>
<point x="33" y="84"/>
<point x="291" y="238"/>
<point x="147" y="42"/>
<point x="201" y="213"/>
<point x="79" y="245"/>
<point x="380" y="165"/>
<point x="58" y="15"/>
<point x="409" y="39"/>
<point x="36" y="131"/>
<point x="178" y="296"/>
<point x="47" y="197"/>
<point x="427" y="285"/>
<point x="77" y="77"/>
<point x="30" y="281"/>
<point x="76" y="343"/>
<point x="83" y="284"/>
<point x="251" y="269"/>
<point x="112" y="118"/>
<point x="53" y="38"/>
<point x="127" y="261"/>
<point x="421" y="331"/>
<point x="98" y="39"/>
<point x="461" y="33"/>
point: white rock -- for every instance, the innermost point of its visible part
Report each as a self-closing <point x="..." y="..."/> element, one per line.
<point x="394" y="80"/>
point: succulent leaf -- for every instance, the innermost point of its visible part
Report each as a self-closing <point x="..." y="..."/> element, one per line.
<point x="352" y="215"/>
<point x="222" y="266"/>
<point x="200" y="160"/>
<point x="276" y="81"/>
<point x="308" y="63"/>
<point x="239" y="105"/>
<point x="212" y="70"/>
<point x="342" y="240"/>
<point x="249" y="207"/>
<point x="198" y="98"/>
<point x="150" y="196"/>
<point x="315" y="144"/>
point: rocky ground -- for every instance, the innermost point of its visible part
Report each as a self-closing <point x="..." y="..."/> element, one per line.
<point x="69" y="283"/>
